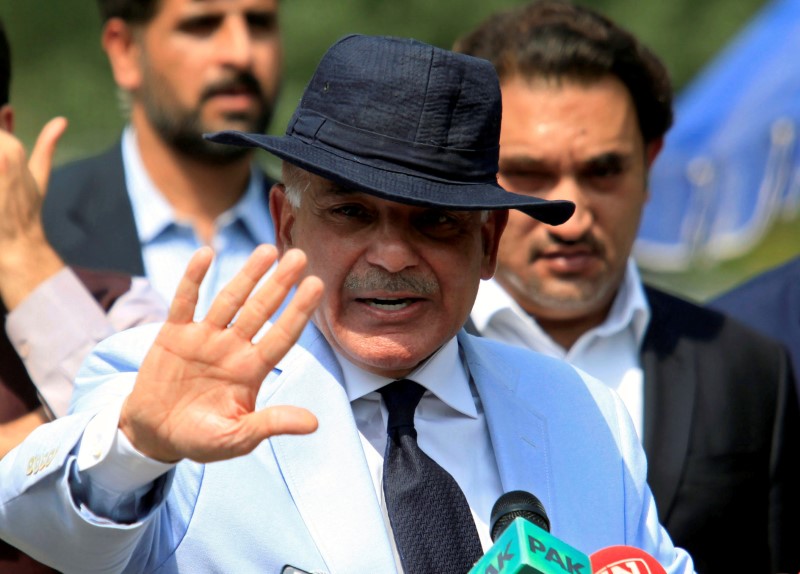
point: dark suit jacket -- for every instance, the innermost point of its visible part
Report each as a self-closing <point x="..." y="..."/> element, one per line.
<point x="770" y="303"/>
<point x="722" y="437"/>
<point x="722" y="434"/>
<point x="18" y="393"/>
<point x="88" y="217"/>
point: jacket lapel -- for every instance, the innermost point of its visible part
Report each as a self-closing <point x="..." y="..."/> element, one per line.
<point x="518" y="432"/>
<point x="326" y="472"/>
<point x="89" y="218"/>
<point x="670" y="385"/>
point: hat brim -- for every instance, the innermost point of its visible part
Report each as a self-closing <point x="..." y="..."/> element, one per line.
<point x="352" y="172"/>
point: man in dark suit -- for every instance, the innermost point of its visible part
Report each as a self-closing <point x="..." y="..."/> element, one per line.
<point x="145" y="205"/>
<point x="770" y="303"/>
<point x="585" y="109"/>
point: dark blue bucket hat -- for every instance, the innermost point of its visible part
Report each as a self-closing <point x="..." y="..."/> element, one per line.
<point x="403" y="121"/>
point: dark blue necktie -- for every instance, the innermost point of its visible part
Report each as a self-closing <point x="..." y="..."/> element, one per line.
<point x="430" y="517"/>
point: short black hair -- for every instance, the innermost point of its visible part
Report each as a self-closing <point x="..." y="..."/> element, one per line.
<point x="131" y="11"/>
<point x="5" y="66"/>
<point x="556" y="39"/>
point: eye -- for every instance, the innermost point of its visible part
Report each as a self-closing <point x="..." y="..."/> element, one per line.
<point x="436" y="218"/>
<point x="437" y="223"/>
<point x="350" y="211"/>
<point x="527" y="182"/>
<point x="202" y="25"/>
<point x="605" y="167"/>
<point x="262" y="22"/>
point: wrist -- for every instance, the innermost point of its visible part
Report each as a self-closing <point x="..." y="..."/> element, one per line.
<point x="23" y="269"/>
<point x="137" y="440"/>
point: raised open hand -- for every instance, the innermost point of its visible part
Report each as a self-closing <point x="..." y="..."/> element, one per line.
<point x="196" y="390"/>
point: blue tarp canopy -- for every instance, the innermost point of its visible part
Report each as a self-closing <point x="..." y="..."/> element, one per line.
<point x="729" y="166"/>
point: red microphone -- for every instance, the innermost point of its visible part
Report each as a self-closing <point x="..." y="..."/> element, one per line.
<point x="624" y="560"/>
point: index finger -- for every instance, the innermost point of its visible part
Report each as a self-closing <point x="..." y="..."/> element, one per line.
<point x="183" y="305"/>
<point x="284" y="333"/>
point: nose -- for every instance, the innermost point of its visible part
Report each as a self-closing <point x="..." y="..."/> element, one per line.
<point x="391" y="248"/>
<point x="583" y="218"/>
<point x="235" y="43"/>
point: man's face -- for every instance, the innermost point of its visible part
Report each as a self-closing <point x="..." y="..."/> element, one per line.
<point x="400" y="280"/>
<point x="579" y="142"/>
<point x="209" y="65"/>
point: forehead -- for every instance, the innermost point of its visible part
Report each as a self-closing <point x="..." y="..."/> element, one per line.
<point x="568" y="115"/>
<point x="320" y="189"/>
<point x="323" y="190"/>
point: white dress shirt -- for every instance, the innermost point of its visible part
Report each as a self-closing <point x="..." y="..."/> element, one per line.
<point x="449" y="420"/>
<point x="450" y="425"/>
<point x="608" y="352"/>
<point x="169" y="242"/>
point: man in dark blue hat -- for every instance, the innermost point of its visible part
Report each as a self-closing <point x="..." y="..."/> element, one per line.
<point x="375" y="438"/>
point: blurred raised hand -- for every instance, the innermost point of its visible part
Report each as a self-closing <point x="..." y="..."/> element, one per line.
<point x="26" y="257"/>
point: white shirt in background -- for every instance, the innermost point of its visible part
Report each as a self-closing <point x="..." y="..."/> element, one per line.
<point x="609" y="352"/>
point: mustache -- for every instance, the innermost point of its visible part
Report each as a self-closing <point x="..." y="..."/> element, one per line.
<point x="586" y="241"/>
<point x="241" y="80"/>
<point x="378" y="280"/>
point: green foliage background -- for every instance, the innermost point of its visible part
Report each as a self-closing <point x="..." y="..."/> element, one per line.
<point x="60" y="69"/>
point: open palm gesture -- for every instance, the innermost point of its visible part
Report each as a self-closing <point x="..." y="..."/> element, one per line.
<point x="196" y="391"/>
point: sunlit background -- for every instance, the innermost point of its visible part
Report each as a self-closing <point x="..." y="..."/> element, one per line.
<point x="60" y="69"/>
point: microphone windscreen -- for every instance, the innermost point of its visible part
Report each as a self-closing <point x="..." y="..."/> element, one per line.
<point x="624" y="560"/>
<point x="513" y="504"/>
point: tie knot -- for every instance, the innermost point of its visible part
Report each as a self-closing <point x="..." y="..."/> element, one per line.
<point x="401" y="398"/>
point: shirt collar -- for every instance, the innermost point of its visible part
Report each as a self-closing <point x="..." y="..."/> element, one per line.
<point x="491" y="300"/>
<point x="630" y="307"/>
<point x="443" y="374"/>
<point x="153" y="213"/>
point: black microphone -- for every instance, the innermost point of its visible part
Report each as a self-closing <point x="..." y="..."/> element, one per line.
<point x="513" y="504"/>
<point x="520" y="530"/>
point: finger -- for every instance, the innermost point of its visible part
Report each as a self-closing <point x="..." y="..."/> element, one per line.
<point x="185" y="301"/>
<point x="272" y="421"/>
<point x="287" y="329"/>
<point x="269" y="297"/>
<point x="231" y="298"/>
<point x="41" y="160"/>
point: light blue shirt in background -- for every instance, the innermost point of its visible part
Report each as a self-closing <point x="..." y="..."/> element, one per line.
<point x="169" y="242"/>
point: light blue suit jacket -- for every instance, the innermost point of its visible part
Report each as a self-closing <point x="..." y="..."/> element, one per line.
<point x="309" y="500"/>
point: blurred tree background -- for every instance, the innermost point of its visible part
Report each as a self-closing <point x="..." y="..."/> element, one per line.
<point x="60" y="69"/>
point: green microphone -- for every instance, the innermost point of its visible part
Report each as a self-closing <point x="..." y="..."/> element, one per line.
<point x="523" y="544"/>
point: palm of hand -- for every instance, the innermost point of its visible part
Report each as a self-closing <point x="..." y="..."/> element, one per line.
<point x="195" y="393"/>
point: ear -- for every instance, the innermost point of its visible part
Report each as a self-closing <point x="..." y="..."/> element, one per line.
<point x="491" y="231"/>
<point x="122" y="46"/>
<point x="652" y="150"/>
<point x="7" y="118"/>
<point x="283" y="218"/>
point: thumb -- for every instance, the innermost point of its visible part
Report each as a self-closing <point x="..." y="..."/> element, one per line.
<point x="271" y="421"/>
<point x="41" y="160"/>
